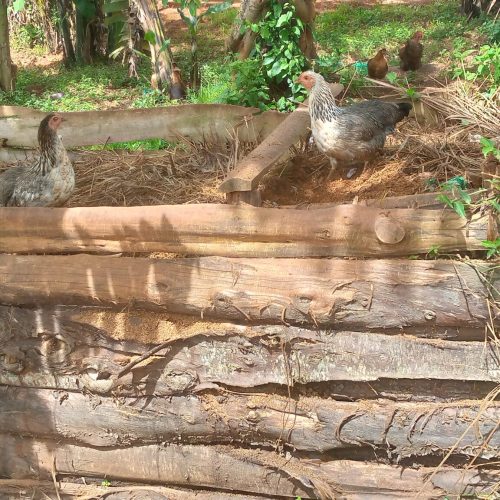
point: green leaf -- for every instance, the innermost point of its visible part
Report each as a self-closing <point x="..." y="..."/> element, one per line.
<point x="465" y="197"/>
<point x="18" y="5"/>
<point x="164" y="45"/>
<point x="86" y="8"/>
<point x="459" y="208"/>
<point x="219" y="7"/>
<point x="444" y="199"/>
<point x="150" y="37"/>
<point x="495" y="204"/>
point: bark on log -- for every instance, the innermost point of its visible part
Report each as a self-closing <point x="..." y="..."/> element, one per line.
<point x="217" y="122"/>
<point x="274" y="148"/>
<point x="33" y="489"/>
<point x="224" y="468"/>
<point x="309" y="425"/>
<point x="6" y="80"/>
<point x="241" y="231"/>
<point x="383" y="294"/>
<point x="39" y="350"/>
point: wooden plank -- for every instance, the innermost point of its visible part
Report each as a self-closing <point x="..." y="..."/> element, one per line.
<point x="229" y="469"/>
<point x="217" y="122"/>
<point x="241" y="231"/>
<point x="402" y="429"/>
<point x="274" y="148"/>
<point x="72" y="353"/>
<point x="382" y="294"/>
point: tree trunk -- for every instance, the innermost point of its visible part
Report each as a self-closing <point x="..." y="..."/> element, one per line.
<point x="245" y="471"/>
<point x="404" y="429"/>
<point x="68" y="49"/>
<point x="161" y="59"/>
<point x="251" y="11"/>
<point x="6" y="79"/>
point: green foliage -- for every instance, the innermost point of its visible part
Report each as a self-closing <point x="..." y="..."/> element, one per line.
<point x="492" y="247"/>
<point x="249" y="87"/>
<point x="27" y="36"/>
<point x="362" y="30"/>
<point x="276" y="62"/>
<point x="484" y="66"/>
<point x="433" y="251"/>
<point x="84" y="88"/>
<point x="491" y="29"/>
<point x="105" y="483"/>
<point x="488" y="147"/>
<point x="455" y="197"/>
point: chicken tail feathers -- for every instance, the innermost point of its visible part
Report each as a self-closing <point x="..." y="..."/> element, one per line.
<point x="405" y="108"/>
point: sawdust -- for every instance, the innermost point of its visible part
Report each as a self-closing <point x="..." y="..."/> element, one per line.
<point x="148" y="327"/>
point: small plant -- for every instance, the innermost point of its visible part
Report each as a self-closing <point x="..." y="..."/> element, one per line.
<point x="277" y="48"/>
<point x="488" y="147"/>
<point x="462" y="198"/>
<point x="433" y="252"/>
<point x="192" y="20"/>
<point x="493" y="248"/>
<point x="105" y="483"/>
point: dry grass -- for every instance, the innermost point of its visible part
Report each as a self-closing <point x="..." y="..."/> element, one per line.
<point x="190" y="173"/>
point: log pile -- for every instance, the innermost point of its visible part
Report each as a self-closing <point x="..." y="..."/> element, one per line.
<point x="234" y="352"/>
<point x="231" y="377"/>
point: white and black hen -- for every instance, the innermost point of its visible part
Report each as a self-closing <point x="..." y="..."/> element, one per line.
<point x="349" y="133"/>
<point x="49" y="180"/>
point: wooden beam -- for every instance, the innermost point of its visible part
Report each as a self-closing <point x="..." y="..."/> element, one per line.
<point x="403" y="429"/>
<point x="217" y="122"/>
<point x="73" y="352"/>
<point x="383" y="294"/>
<point x="209" y="229"/>
<point x="228" y="469"/>
<point x="274" y="148"/>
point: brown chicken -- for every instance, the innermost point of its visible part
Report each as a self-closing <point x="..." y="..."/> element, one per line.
<point x="47" y="182"/>
<point x="178" y="88"/>
<point x="411" y="53"/>
<point x="377" y="66"/>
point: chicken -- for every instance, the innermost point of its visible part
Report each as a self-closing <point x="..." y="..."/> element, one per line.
<point x="178" y="88"/>
<point x="411" y="53"/>
<point x="349" y="133"/>
<point x="377" y="66"/>
<point x="47" y="182"/>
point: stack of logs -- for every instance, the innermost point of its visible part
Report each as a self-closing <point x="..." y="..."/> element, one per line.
<point x="255" y="369"/>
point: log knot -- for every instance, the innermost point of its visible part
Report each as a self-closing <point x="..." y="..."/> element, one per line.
<point x="388" y="230"/>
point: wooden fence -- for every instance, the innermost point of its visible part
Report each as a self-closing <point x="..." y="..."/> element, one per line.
<point x="226" y="372"/>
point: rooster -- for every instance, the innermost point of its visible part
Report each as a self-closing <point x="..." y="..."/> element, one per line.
<point x="350" y="133"/>
<point x="377" y="66"/>
<point x="49" y="181"/>
<point x="411" y="53"/>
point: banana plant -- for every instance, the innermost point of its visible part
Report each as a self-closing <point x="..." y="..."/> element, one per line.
<point x="192" y="20"/>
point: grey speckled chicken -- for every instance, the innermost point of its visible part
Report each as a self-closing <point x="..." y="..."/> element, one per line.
<point x="47" y="182"/>
<point x="350" y="133"/>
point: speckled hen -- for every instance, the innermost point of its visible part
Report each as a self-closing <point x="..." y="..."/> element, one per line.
<point x="47" y="182"/>
<point x="350" y="133"/>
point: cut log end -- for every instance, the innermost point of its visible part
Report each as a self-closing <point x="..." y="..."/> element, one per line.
<point x="388" y="230"/>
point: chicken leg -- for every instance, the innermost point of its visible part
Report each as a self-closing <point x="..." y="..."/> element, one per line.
<point x="333" y="166"/>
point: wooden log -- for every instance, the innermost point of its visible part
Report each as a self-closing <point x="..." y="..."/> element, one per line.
<point x="37" y="490"/>
<point x="229" y="469"/>
<point x="423" y="200"/>
<point x="217" y="122"/>
<point x="383" y="294"/>
<point x="274" y="148"/>
<point x="70" y="355"/>
<point x="309" y="425"/>
<point x="242" y="231"/>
